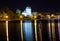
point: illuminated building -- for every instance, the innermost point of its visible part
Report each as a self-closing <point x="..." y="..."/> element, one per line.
<point x="42" y="27"/>
<point x="27" y="11"/>
<point x="27" y="25"/>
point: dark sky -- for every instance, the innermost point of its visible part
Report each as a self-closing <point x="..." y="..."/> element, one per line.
<point x="36" y="5"/>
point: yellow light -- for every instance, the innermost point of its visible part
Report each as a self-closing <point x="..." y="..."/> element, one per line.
<point x="21" y="16"/>
<point x="7" y="30"/>
<point x="52" y="15"/>
<point x="35" y="17"/>
<point x="48" y="16"/>
<point x="49" y="30"/>
<point x="35" y="24"/>
<point x="6" y="16"/>
<point x="21" y="31"/>
<point x="53" y="30"/>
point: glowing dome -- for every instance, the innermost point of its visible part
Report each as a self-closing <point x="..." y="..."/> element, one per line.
<point x="27" y="11"/>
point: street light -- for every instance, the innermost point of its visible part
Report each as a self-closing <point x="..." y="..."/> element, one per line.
<point x="21" y="17"/>
<point x="48" y="16"/>
<point x="52" y="15"/>
<point x="7" y="28"/>
<point x="35" y="25"/>
<point x="6" y="16"/>
<point x="49" y="26"/>
<point x="53" y="27"/>
<point x="53" y="30"/>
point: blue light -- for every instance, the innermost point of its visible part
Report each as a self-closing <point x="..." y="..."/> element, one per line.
<point x="59" y="26"/>
<point x="28" y="31"/>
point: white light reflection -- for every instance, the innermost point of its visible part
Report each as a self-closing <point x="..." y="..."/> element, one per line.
<point x="53" y="30"/>
<point x="35" y="24"/>
<point x="49" y="29"/>
<point x="28" y="32"/>
<point x="21" y="30"/>
<point x="59" y="26"/>
<point x="7" y="30"/>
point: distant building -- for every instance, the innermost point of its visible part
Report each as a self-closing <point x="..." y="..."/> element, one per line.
<point x="24" y="13"/>
<point x="27" y="11"/>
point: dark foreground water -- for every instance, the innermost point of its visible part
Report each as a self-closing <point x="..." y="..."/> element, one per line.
<point x="28" y="30"/>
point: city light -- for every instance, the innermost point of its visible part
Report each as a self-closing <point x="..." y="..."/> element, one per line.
<point x="7" y="31"/>
<point x="49" y="30"/>
<point x="48" y="16"/>
<point x="21" y="16"/>
<point x="27" y="11"/>
<point x="21" y="30"/>
<point x="6" y="16"/>
<point x="35" y="25"/>
<point x="52" y="15"/>
<point x="59" y="25"/>
<point x="53" y="30"/>
<point x="35" y="17"/>
<point x="30" y="29"/>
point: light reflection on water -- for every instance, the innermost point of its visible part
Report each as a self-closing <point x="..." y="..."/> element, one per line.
<point x="59" y="27"/>
<point x="14" y="30"/>
<point x="27" y="28"/>
<point x="28" y="32"/>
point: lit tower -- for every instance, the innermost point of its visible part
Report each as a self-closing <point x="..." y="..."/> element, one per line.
<point x="27" y="11"/>
<point x="27" y="25"/>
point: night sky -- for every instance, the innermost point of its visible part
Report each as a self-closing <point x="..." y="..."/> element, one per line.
<point x="36" y="5"/>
